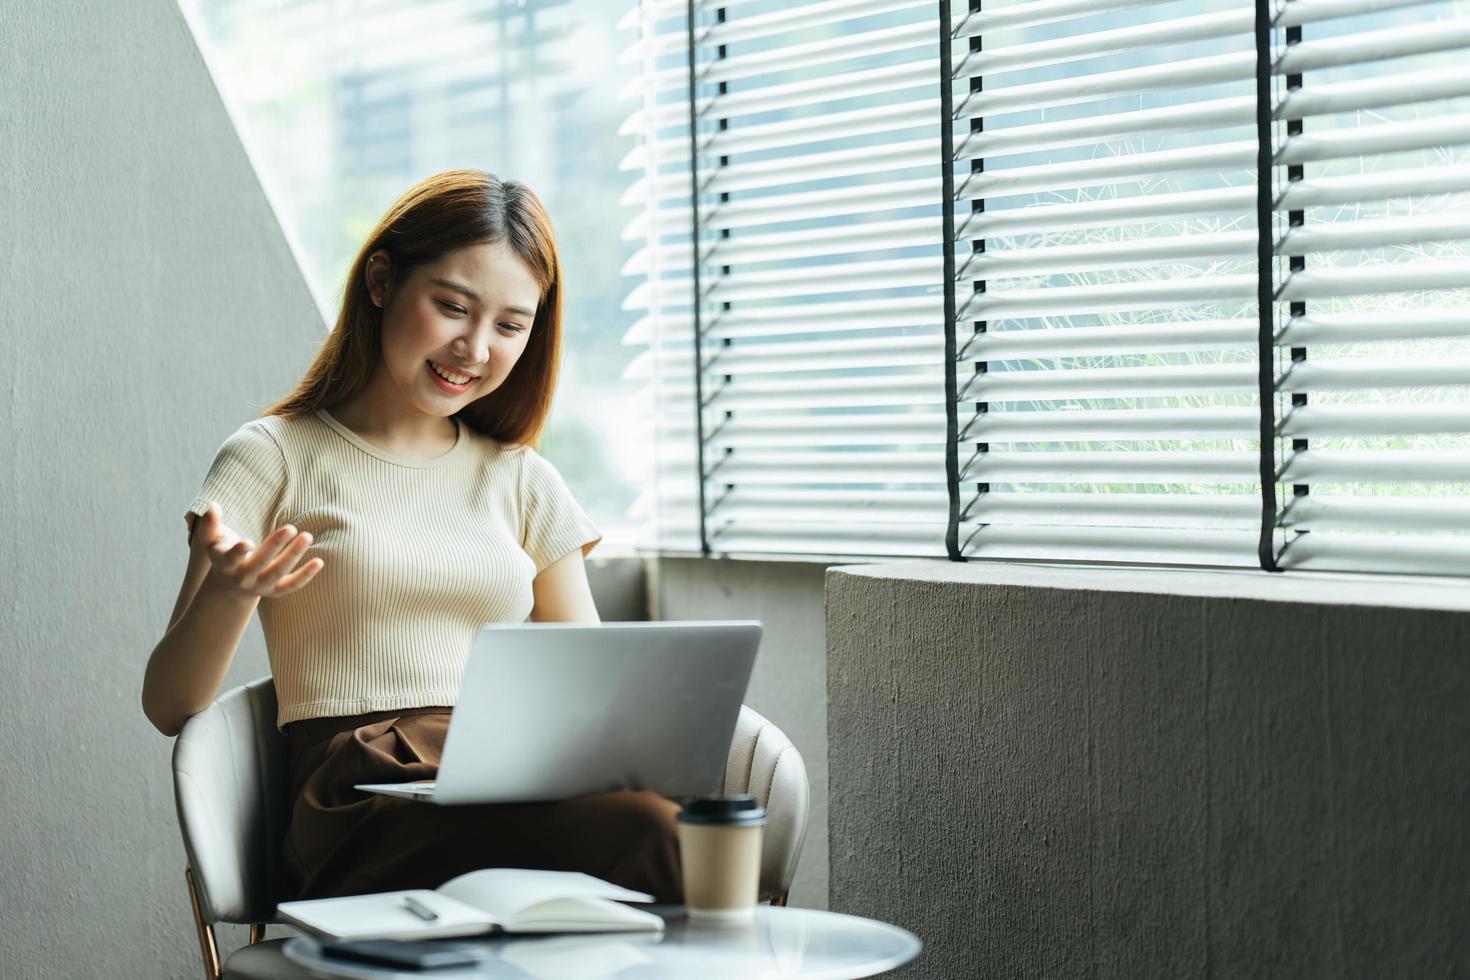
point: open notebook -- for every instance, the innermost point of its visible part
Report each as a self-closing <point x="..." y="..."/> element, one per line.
<point x="488" y="900"/>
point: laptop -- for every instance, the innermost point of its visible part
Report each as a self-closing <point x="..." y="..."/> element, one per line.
<point x="550" y="711"/>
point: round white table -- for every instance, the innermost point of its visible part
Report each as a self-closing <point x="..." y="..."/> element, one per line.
<point x="780" y="942"/>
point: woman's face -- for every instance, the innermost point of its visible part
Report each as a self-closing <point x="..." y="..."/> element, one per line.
<point x="470" y="313"/>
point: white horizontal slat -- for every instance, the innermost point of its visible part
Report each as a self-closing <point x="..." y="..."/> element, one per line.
<point x="1319" y="191"/>
<point x="1218" y="466"/>
<point x="784" y="246"/>
<point x="783" y="319"/>
<point x="1241" y="510"/>
<point x="919" y="388"/>
<point x="804" y="206"/>
<point x="1350" y="375"/>
<point x="1365" y="46"/>
<point x="1314" y="421"/>
<point x="1074" y="174"/>
<point x="789" y="169"/>
<point x="657" y="10"/>
<point x="802" y="356"/>
<point x="1319" y="511"/>
<point x="1358" y="280"/>
<point x="1214" y="114"/>
<point x="1375" y="93"/>
<point x="1393" y="137"/>
<point x="809" y="280"/>
<point x="1112" y="297"/>
<point x="786" y="57"/>
<point x="997" y="386"/>
<point x="1375" y="466"/>
<point x="893" y="506"/>
<point x="1341" y="235"/>
<point x="1415" y="554"/>
<point x="1150" y="545"/>
<point x="1090" y="214"/>
<point x="788" y="95"/>
<point x="867" y="539"/>
<point x="1348" y="328"/>
<point x="1296" y="13"/>
<point x="1091" y="44"/>
<point x="999" y="263"/>
<point x="757" y="467"/>
<point x="915" y="114"/>
<point x="1236" y="66"/>
<point x="827" y="355"/>
<point x="750" y="27"/>
<point x="1143" y="338"/>
<point x="996" y="427"/>
<point x="777" y="430"/>
<point x="969" y="23"/>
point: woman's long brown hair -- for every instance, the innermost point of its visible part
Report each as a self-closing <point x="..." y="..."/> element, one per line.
<point x="447" y="211"/>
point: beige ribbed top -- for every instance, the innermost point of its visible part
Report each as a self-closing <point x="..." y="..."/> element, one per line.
<point x="419" y="553"/>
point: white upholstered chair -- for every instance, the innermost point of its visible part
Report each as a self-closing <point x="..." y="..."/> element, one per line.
<point x="230" y="785"/>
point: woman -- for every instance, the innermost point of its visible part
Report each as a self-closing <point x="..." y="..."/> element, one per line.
<point x="403" y="462"/>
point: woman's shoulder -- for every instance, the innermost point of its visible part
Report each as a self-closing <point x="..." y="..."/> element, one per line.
<point x="290" y="436"/>
<point x="497" y="448"/>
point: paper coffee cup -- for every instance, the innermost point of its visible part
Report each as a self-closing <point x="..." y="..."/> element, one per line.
<point x="720" y="852"/>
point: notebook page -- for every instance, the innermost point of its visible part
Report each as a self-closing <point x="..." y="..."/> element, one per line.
<point x="502" y="892"/>
<point x="383" y="915"/>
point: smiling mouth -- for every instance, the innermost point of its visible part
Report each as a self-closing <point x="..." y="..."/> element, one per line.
<point x="458" y="384"/>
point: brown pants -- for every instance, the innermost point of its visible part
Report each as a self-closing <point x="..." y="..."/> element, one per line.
<point x="342" y="841"/>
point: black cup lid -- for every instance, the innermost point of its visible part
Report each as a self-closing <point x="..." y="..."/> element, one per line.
<point x="738" y="810"/>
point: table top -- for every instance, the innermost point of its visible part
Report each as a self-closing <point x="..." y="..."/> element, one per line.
<point x="780" y="942"/>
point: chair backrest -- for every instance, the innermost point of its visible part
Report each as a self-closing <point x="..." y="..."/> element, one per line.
<point x="765" y="764"/>
<point x="231" y="787"/>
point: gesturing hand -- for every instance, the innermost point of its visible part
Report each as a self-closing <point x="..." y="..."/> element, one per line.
<point x="238" y="566"/>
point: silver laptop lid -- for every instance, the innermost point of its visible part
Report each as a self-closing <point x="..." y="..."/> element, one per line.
<point x="548" y="711"/>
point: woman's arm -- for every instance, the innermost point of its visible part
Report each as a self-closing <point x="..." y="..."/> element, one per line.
<point x="188" y="665"/>
<point x="227" y="577"/>
<point x="562" y="594"/>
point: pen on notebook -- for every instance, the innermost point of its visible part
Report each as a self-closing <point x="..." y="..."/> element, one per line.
<point x="419" y="909"/>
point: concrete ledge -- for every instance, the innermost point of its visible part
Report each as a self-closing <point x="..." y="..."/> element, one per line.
<point x="1082" y="772"/>
<point x="1332" y="588"/>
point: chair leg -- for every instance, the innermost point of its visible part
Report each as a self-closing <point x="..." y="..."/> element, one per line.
<point x="208" y="948"/>
<point x="257" y="933"/>
<point x="778" y="901"/>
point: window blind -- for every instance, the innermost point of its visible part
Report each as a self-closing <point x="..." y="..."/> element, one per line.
<point x="821" y="426"/>
<point x="1125" y="347"/>
<point x="1371" y="313"/>
<point x="1103" y="161"/>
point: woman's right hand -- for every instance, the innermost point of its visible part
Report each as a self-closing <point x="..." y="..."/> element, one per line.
<point x="237" y="566"/>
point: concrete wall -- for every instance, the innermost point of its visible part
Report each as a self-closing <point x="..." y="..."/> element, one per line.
<point x="150" y="305"/>
<point x="1102" y="773"/>
<point x="789" y="682"/>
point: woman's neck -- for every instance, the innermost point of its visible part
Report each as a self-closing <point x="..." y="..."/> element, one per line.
<point x="403" y="433"/>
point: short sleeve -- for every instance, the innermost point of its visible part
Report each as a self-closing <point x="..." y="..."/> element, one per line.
<point x="552" y="522"/>
<point x="248" y="481"/>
